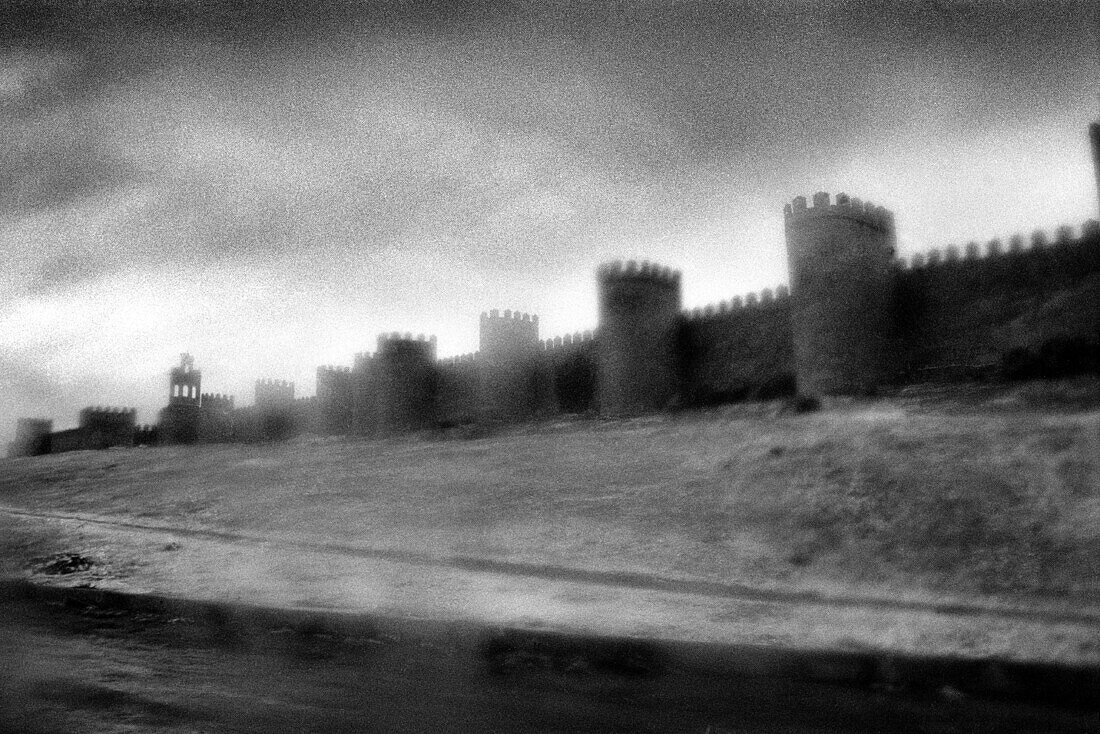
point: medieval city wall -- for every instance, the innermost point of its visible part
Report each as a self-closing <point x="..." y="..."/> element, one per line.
<point x="962" y="309"/>
<point x="738" y="349"/>
<point x="855" y="319"/>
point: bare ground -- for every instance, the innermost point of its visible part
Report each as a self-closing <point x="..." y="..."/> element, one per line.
<point x="985" y="497"/>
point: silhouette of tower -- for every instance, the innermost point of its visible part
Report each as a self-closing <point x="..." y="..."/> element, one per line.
<point x="185" y="383"/>
<point x="842" y="290"/>
<point x="509" y="345"/>
<point x="180" y="420"/>
<point x="406" y="380"/>
<point x="639" y="316"/>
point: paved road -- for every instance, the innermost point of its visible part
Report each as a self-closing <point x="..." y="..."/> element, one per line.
<point x="95" y="669"/>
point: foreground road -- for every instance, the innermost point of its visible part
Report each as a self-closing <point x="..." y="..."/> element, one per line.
<point x="83" y="668"/>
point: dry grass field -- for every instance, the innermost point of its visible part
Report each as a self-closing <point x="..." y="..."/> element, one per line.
<point x="989" y="492"/>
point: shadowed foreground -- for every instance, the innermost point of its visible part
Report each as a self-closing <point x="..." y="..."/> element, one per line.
<point x="79" y="667"/>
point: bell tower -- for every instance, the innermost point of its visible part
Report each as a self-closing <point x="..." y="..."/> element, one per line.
<point x="185" y="383"/>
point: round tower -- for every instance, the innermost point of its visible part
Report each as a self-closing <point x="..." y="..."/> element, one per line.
<point x="509" y="344"/>
<point x="639" y="311"/>
<point x="406" y="382"/>
<point x="842" y="288"/>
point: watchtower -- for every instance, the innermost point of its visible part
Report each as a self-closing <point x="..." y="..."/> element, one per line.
<point x="180" y="420"/>
<point x="842" y="289"/>
<point x="274" y="393"/>
<point x="109" y="426"/>
<point x="404" y="374"/>
<point x="639" y="311"/>
<point x="335" y="398"/>
<point x="32" y="437"/>
<point x="509" y="345"/>
<point x="185" y="383"/>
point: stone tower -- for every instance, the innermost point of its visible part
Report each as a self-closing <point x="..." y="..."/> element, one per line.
<point x="842" y="279"/>
<point x="639" y="313"/>
<point x="185" y="383"/>
<point x="509" y="345"/>
<point x="32" y="437"/>
<point x="181" y="419"/>
<point x="405" y="379"/>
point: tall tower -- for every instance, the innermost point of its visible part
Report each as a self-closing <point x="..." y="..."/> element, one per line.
<point x="32" y="437"/>
<point x="405" y="376"/>
<point x="506" y="384"/>
<point x="638" y="320"/>
<point x="185" y="383"/>
<point x="842" y="279"/>
<point x="180" y="421"/>
<point x="1094" y="136"/>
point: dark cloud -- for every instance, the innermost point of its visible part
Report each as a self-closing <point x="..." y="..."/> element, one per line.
<point x="373" y="153"/>
<point x="388" y="117"/>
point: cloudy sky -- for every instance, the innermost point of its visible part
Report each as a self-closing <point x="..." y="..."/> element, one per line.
<point x="270" y="187"/>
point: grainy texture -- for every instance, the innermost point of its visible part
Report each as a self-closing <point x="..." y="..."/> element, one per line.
<point x="976" y="494"/>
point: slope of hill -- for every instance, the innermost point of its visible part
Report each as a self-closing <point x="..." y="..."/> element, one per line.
<point x="990" y="492"/>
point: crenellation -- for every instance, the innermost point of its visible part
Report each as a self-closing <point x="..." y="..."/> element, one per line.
<point x="855" y="316"/>
<point x="620" y="270"/>
<point x="845" y="206"/>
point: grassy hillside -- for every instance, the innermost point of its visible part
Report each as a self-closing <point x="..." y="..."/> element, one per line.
<point x="983" y="493"/>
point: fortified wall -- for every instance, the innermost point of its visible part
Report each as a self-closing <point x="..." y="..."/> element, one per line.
<point x="855" y="319"/>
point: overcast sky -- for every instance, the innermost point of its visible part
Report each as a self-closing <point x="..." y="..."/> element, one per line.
<point x="269" y="188"/>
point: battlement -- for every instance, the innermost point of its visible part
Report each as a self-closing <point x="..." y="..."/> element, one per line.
<point x="394" y="342"/>
<point x="271" y="392"/>
<point x="117" y="422"/>
<point x="333" y="370"/>
<point x="509" y="315"/>
<point x="848" y="207"/>
<point x="632" y="270"/>
<point x="766" y="297"/>
<point x="267" y="382"/>
<point x="217" y="401"/>
<point x="107" y="412"/>
<point x="469" y="358"/>
<point x="569" y="340"/>
<point x="1017" y="245"/>
<point x="507" y="334"/>
<point x="396" y="336"/>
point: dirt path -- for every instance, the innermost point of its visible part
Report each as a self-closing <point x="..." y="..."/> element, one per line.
<point x="626" y="580"/>
<point x="217" y="565"/>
